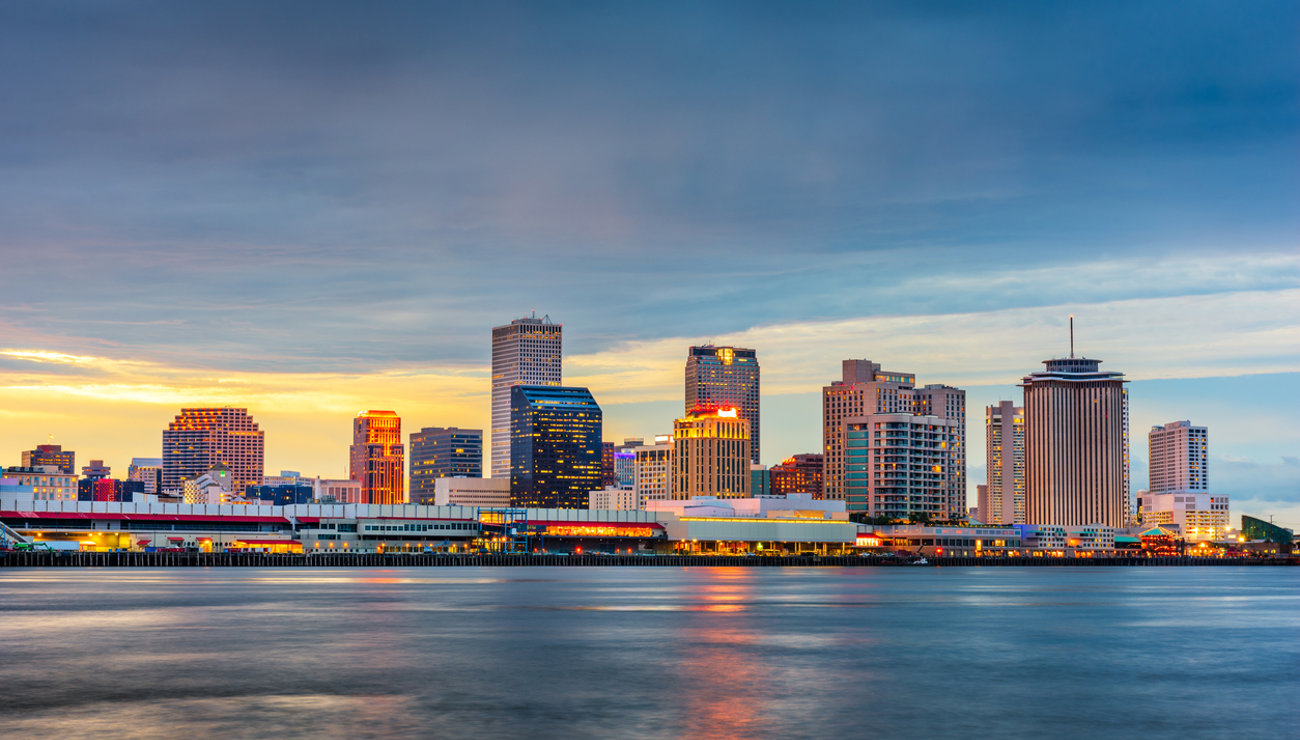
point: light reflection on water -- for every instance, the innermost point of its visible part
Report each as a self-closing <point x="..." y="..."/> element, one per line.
<point x="646" y="652"/>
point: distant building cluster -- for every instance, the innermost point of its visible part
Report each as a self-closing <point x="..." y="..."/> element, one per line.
<point x="893" y="453"/>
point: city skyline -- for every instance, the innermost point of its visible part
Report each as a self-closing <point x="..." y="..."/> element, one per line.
<point x="309" y="210"/>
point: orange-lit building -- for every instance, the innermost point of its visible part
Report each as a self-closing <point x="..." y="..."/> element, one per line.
<point x="378" y="458"/>
<point x="198" y="440"/>
<point x="798" y="474"/>
<point x="711" y="455"/>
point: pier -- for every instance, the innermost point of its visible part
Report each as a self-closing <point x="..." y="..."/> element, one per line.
<point x="28" y="559"/>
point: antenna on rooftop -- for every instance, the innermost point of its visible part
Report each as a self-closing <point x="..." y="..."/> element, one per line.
<point x="1071" y="336"/>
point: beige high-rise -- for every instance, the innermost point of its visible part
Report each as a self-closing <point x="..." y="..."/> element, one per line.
<point x="711" y="454"/>
<point x="1004" y="444"/>
<point x="1179" y="458"/>
<point x="526" y="351"/>
<point x="1076" y="444"/>
<point x="865" y="390"/>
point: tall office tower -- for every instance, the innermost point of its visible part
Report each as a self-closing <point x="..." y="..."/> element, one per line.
<point x="377" y="457"/>
<point x="866" y="391"/>
<point x="443" y="452"/>
<point x="1076" y="444"/>
<point x="55" y="455"/>
<point x="198" y="440"/>
<point x="711" y="455"/>
<point x="1004" y="446"/>
<point x="898" y="466"/>
<point x="1179" y="460"/>
<point x="725" y="377"/>
<point x="554" y="446"/>
<point x="146" y="470"/>
<point x="799" y="474"/>
<point x="95" y="470"/>
<point x="524" y="352"/>
<point x="652" y="478"/>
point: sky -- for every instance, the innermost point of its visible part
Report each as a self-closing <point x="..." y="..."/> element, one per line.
<point x="314" y="208"/>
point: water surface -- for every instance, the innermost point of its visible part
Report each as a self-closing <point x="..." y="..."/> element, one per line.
<point x="649" y="652"/>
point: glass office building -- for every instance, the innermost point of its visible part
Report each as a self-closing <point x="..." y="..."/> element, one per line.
<point x="555" y="446"/>
<point x="443" y="452"/>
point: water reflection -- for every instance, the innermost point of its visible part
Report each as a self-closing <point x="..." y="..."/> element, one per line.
<point x="725" y="676"/>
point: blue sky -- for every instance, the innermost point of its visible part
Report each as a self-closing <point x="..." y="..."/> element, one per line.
<point x="315" y="207"/>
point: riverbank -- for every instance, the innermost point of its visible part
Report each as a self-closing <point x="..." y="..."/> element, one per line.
<point x="389" y="560"/>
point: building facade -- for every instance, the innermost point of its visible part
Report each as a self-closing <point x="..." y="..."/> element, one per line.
<point x="725" y="377"/>
<point x="652" y="477"/>
<point x="377" y="457"/>
<point x="148" y="471"/>
<point x="443" y="452"/>
<point x="866" y="391"/>
<point x="1003" y="498"/>
<point x="48" y="482"/>
<point x="1180" y="461"/>
<point x="52" y="455"/>
<point x="200" y="439"/>
<point x="711" y="454"/>
<point x="1076" y="444"/>
<point x="1198" y="516"/>
<point x="555" y="446"/>
<point x="798" y="474"/>
<point x="526" y="351"/>
<point x="897" y="467"/>
<point x="487" y="492"/>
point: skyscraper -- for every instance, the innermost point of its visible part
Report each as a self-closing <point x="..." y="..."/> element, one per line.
<point x="198" y="440"/>
<point x="555" y="446"/>
<point x="443" y="452"/>
<point x="1076" y="444"/>
<point x="1179" y="483"/>
<point x="1179" y="458"/>
<point x="526" y="351"/>
<point x="711" y="455"/>
<point x="377" y="457"/>
<point x="55" y="455"/>
<point x="1004" y="444"/>
<point x="725" y="377"/>
<point x="851" y="404"/>
<point x="652" y="478"/>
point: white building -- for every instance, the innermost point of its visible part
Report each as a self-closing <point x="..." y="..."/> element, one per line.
<point x="526" y="351"/>
<point x="487" y="492"/>
<point x="653" y="469"/>
<point x="1179" y="458"/>
<point x="614" y="499"/>
<point x="214" y="487"/>
<point x="1199" y="516"/>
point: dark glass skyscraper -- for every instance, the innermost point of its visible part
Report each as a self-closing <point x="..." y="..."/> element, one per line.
<point x="725" y="377"/>
<point x="555" y="446"/>
<point x="443" y="452"/>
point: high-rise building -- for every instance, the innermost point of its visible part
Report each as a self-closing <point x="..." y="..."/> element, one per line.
<point x="898" y="466"/>
<point x="198" y="440"/>
<point x="865" y="392"/>
<point x="653" y="467"/>
<point x="1076" y="444"/>
<point x="725" y="378"/>
<point x="798" y="474"/>
<point x="555" y="445"/>
<point x="443" y="452"/>
<point x="146" y="470"/>
<point x="96" y="469"/>
<point x="377" y="457"/>
<point x="526" y="351"/>
<point x="1004" y="445"/>
<point x="55" y="455"/>
<point x="1179" y="458"/>
<point x="711" y="455"/>
<point x="103" y="488"/>
<point x="1179" y="482"/>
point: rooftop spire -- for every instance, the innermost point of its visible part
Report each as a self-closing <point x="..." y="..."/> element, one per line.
<point x="1071" y="336"/>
